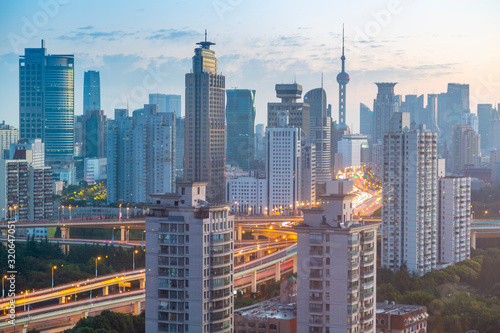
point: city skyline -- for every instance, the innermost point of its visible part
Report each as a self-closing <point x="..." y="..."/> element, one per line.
<point x="380" y="45"/>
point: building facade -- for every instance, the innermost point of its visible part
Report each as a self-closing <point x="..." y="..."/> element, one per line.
<point x="46" y="100"/>
<point x="365" y="120"/>
<point x="383" y="108"/>
<point x="8" y="135"/>
<point x="466" y="149"/>
<point x="167" y="103"/>
<point x="204" y="145"/>
<point x="401" y="318"/>
<point x="337" y="269"/>
<point x="189" y="263"/>
<point x="91" y="91"/>
<point x="240" y="115"/>
<point x="94" y="128"/>
<point x="409" y="213"/>
<point x="354" y="149"/>
<point x="247" y="195"/>
<point x="454" y="220"/>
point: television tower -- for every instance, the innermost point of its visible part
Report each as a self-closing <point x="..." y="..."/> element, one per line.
<point x="343" y="80"/>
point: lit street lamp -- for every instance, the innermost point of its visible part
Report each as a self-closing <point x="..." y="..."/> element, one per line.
<point x="127" y="212"/>
<point x="133" y="259"/>
<point x="3" y="288"/>
<point x="53" y="267"/>
<point x="98" y="258"/>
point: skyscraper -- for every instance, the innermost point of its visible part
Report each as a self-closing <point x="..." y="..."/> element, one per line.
<point x="383" y="108"/>
<point x="298" y="113"/>
<point x="365" y="120"/>
<point x="91" y="91"/>
<point x="189" y="261"/>
<point x="167" y="103"/>
<point x="240" y="115"/>
<point x="484" y="114"/>
<point x="179" y="147"/>
<point x="320" y="129"/>
<point x="46" y="100"/>
<point x="204" y="155"/>
<point x="94" y="126"/>
<point x="409" y="213"/>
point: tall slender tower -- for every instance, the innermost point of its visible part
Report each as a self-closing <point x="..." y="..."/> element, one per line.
<point x="343" y="80"/>
<point x="205" y="123"/>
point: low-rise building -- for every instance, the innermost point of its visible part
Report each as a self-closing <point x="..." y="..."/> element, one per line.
<point x="266" y="317"/>
<point x="401" y="318"/>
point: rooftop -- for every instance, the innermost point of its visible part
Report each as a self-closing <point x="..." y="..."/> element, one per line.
<point x="267" y="310"/>
<point x="398" y="309"/>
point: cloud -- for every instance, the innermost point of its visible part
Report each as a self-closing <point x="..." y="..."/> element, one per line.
<point x="91" y="36"/>
<point x="86" y="28"/>
<point x="172" y="34"/>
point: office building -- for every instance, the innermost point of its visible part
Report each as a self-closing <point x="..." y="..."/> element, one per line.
<point x="204" y="145"/>
<point x="466" y="149"/>
<point x="240" y="116"/>
<point x="432" y="112"/>
<point x="355" y="150"/>
<point x="451" y="106"/>
<point x="414" y="105"/>
<point x="167" y="103"/>
<point x="32" y="150"/>
<point x="247" y="195"/>
<point x="283" y="164"/>
<point x="398" y="318"/>
<point x="454" y="220"/>
<point x="338" y="132"/>
<point x="298" y="113"/>
<point x="484" y="114"/>
<point x="384" y="108"/>
<point x="46" y="100"/>
<point x="409" y="213"/>
<point x="189" y="263"/>
<point x="260" y="142"/>
<point x="337" y="271"/>
<point x="320" y="133"/>
<point x="8" y="135"/>
<point x="493" y="131"/>
<point x="95" y="170"/>
<point x="471" y="120"/>
<point x="94" y="127"/>
<point x="140" y="155"/>
<point x="365" y="120"/>
<point x="91" y="91"/>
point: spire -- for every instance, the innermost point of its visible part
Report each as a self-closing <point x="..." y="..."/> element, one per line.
<point x="342" y="38"/>
<point x="205" y="35"/>
<point x="343" y="55"/>
<point x="206" y="44"/>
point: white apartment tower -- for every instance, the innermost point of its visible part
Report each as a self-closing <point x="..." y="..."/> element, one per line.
<point x="337" y="269"/>
<point x="8" y="135"/>
<point x="409" y="214"/>
<point x="283" y="165"/>
<point x="189" y="262"/>
<point x="454" y="219"/>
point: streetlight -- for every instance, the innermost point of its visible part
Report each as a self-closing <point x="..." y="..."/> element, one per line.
<point x="133" y="259"/>
<point x="70" y="212"/>
<point x="3" y="288"/>
<point x="127" y="212"/>
<point x="15" y="213"/>
<point x="62" y="212"/>
<point x="53" y="267"/>
<point x="120" y="214"/>
<point x="98" y="258"/>
<point x="113" y="235"/>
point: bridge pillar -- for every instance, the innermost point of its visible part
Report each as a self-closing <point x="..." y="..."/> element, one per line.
<point x="255" y="235"/>
<point x="64" y="248"/>
<point x="24" y="329"/>
<point x="254" y="281"/>
<point x="122" y="233"/>
<point x="294" y="259"/>
<point x="238" y="236"/>
<point x="142" y="283"/>
<point x="277" y="274"/>
<point x="473" y="240"/>
<point x="62" y="300"/>
<point x="65" y="232"/>
<point x="137" y="308"/>
<point x="105" y="291"/>
<point x="4" y="232"/>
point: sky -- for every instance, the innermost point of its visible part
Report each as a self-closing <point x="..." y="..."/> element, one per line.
<point x="143" y="47"/>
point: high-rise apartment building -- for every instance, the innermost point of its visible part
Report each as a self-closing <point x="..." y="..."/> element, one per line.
<point x="94" y="127"/>
<point x="466" y="148"/>
<point x="141" y="155"/>
<point x="8" y="135"/>
<point x="204" y="145"/>
<point x="365" y="120"/>
<point x="320" y="133"/>
<point x="409" y="214"/>
<point x="46" y="100"/>
<point x="383" y="108"/>
<point x="337" y="271"/>
<point x="91" y="91"/>
<point x="31" y="150"/>
<point x="179" y="146"/>
<point x="167" y="103"/>
<point x="298" y="113"/>
<point x="454" y="220"/>
<point x="189" y="263"/>
<point x="240" y="115"/>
